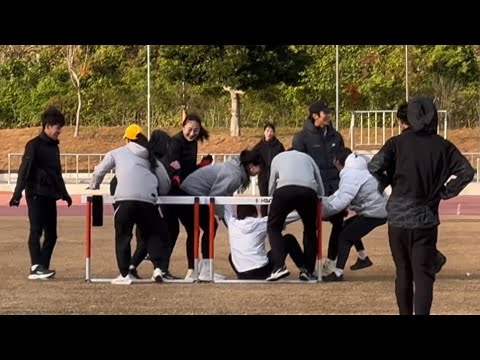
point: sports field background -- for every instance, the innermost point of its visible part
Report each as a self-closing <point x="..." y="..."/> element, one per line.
<point x="368" y="291"/>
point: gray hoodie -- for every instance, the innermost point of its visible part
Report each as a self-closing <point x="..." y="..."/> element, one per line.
<point x="295" y="168"/>
<point x="216" y="180"/>
<point x="135" y="179"/>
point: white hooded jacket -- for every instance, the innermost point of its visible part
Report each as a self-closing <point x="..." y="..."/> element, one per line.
<point x="358" y="191"/>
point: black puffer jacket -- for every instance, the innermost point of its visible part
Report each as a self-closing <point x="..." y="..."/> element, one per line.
<point x="268" y="150"/>
<point x="40" y="172"/>
<point x="320" y="143"/>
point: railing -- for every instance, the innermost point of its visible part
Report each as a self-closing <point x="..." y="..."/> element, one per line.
<point x="84" y="165"/>
<point x="79" y="167"/>
<point x="368" y="123"/>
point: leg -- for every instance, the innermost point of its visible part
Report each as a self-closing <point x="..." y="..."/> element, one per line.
<point x="279" y="209"/>
<point x="170" y="215"/>
<point x="124" y="222"/>
<point x="37" y="219"/>
<point x="423" y="264"/>
<point x="354" y="229"/>
<point x="306" y="206"/>
<point x="205" y="226"/>
<point x="50" y="235"/>
<point x="263" y="187"/>
<point x="337" y="225"/>
<point x="294" y="250"/>
<point x="153" y="228"/>
<point x="185" y="215"/>
<point x="140" y="250"/>
<point x="400" y="240"/>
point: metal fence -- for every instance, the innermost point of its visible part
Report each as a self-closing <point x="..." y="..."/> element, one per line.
<point x="77" y="168"/>
<point x="374" y="127"/>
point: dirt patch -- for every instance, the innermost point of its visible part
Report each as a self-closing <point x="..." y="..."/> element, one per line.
<point x="102" y="139"/>
<point x="369" y="291"/>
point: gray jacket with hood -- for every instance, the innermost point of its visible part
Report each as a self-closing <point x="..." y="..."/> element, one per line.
<point x="136" y="181"/>
<point x="216" y="180"/>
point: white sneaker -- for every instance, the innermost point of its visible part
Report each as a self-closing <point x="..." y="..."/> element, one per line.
<point x="204" y="274"/>
<point x="189" y="276"/>
<point x="157" y="275"/>
<point x="328" y="267"/>
<point x="219" y="276"/>
<point x="120" y="280"/>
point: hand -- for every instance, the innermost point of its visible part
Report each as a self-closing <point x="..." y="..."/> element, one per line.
<point x="14" y="201"/>
<point x="68" y="199"/>
<point x="175" y="164"/>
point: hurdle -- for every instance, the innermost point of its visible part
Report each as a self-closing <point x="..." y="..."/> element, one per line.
<point x="196" y="201"/>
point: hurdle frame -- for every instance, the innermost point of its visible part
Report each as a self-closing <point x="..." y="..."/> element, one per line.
<point x="196" y="201"/>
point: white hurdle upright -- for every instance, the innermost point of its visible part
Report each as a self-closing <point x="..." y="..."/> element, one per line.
<point x="196" y="201"/>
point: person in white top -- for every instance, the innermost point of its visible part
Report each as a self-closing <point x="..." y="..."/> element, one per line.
<point x="247" y="233"/>
<point x="358" y="191"/>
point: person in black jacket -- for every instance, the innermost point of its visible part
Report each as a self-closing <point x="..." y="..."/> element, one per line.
<point x="40" y="174"/>
<point x="183" y="150"/>
<point x="417" y="164"/>
<point x="440" y="259"/>
<point x="268" y="148"/>
<point x="319" y="140"/>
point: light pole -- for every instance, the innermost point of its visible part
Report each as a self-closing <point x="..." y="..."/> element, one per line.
<point x="337" y="101"/>
<point x="148" y="91"/>
<point x="406" y="73"/>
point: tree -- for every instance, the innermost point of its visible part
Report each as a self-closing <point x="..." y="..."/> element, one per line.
<point x="76" y="57"/>
<point x="235" y="69"/>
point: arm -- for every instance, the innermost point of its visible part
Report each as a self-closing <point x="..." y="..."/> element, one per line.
<point x="24" y="170"/>
<point x="228" y="213"/>
<point x="107" y="164"/>
<point x="224" y="185"/>
<point x="340" y="200"/>
<point x="382" y="165"/>
<point x="61" y="184"/>
<point x="163" y="179"/>
<point x="318" y="178"/>
<point x="272" y="184"/>
<point x="461" y="169"/>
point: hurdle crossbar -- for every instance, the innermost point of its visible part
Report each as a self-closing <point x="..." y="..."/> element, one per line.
<point x="197" y="201"/>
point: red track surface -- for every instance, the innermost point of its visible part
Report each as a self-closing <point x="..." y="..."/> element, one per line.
<point x="461" y="205"/>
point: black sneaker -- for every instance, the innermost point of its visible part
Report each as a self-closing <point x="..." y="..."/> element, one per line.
<point x="167" y="275"/>
<point x="332" y="277"/>
<point x="134" y="273"/>
<point x="361" y="264"/>
<point x="40" y="273"/>
<point x="278" y="274"/>
<point x="305" y="275"/>
<point x="440" y="260"/>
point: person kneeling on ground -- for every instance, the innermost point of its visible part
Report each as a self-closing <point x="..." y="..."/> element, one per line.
<point x="247" y="233"/>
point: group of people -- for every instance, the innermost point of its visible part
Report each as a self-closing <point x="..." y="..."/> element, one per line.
<point x="421" y="167"/>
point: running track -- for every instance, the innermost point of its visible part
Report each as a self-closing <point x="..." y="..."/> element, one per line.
<point x="461" y="205"/>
